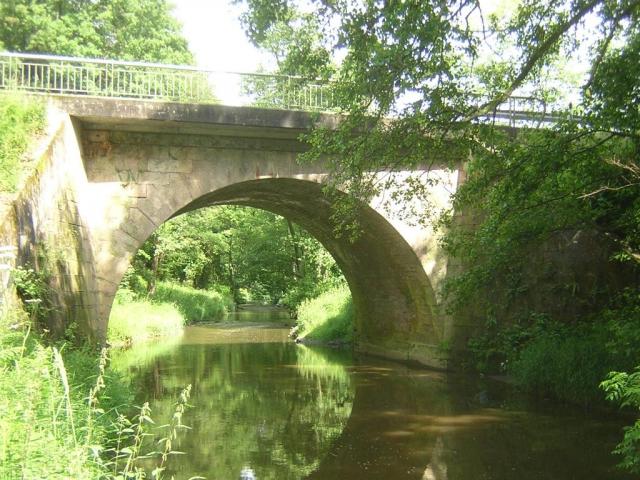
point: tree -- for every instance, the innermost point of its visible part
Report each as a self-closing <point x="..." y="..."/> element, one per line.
<point x="420" y="80"/>
<point x="142" y="30"/>
<point x="259" y="256"/>
<point x="425" y="64"/>
<point x="438" y="69"/>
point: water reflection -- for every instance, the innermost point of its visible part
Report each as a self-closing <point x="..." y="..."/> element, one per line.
<point x="268" y="409"/>
<point x="262" y="410"/>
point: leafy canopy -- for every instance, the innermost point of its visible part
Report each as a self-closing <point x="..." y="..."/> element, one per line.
<point x="141" y="30"/>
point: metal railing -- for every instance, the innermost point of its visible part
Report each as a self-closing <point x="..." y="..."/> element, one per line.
<point x="51" y="74"/>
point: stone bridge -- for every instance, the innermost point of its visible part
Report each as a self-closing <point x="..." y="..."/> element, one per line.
<point x="112" y="170"/>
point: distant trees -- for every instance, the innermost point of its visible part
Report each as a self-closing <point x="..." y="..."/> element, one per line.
<point x="117" y="29"/>
<point x="259" y="256"/>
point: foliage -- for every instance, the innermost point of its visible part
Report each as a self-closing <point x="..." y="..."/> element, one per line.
<point x="33" y="289"/>
<point x="564" y="360"/>
<point x="328" y="317"/>
<point x="624" y="388"/>
<point x="440" y="71"/>
<point x="44" y="417"/>
<point x="20" y="119"/>
<point x="118" y="29"/>
<point x="257" y="255"/>
<point x="133" y="321"/>
<point x="192" y="304"/>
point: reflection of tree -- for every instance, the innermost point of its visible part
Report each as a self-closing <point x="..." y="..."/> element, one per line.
<point x="275" y="408"/>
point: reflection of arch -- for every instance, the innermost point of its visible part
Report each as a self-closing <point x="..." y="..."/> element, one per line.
<point x="392" y="295"/>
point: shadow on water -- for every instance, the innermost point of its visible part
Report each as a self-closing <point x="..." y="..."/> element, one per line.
<point x="265" y="408"/>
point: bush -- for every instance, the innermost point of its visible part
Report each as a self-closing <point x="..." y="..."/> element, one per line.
<point x="328" y="317"/>
<point x="195" y="305"/>
<point x="624" y="388"/>
<point x="133" y="321"/>
<point x="565" y="364"/>
<point x="565" y="361"/>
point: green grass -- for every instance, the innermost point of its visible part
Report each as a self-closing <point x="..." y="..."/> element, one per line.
<point x="566" y="366"/>
<point x="195" y="305"/>
<point x="21" y="118"/>
<point x="46" y="426"/>
<point x="134" y="321"/>
<point x="328" y="317"/>
<point x="61" y="413"/>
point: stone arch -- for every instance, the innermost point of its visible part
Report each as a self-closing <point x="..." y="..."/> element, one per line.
<point x="394" y="301"/>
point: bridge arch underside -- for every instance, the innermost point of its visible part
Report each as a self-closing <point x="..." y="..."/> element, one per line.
<point x="393" y="299"/>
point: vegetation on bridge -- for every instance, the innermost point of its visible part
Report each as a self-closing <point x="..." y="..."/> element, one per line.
<point x="21" y="118"/>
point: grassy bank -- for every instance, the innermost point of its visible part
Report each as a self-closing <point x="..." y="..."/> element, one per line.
<point x="194" y="305"/>
<point x="61" y="413"/>
<point x="46" y="424"/>
<point x="328" y="317"/>
<point x="21" y="117"/>
<point x="134" y="321"/>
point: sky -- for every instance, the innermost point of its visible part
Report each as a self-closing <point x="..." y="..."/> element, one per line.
<point x="215" y="36"/>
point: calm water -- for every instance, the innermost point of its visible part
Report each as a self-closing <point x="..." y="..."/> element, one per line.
<point x="265" y="408"/>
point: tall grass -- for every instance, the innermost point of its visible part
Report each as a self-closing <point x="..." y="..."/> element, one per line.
<point x="59" y="414"/>
<point x="565" y="365"/>
<point x="328" y="317"/>
<point x="21" y="117"/>
<point x="195" y="305"/>
<point x="134" y="321"/>
<point x="44" y="415"/>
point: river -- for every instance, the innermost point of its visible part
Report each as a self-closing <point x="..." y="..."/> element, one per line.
<point x="266" y="408"/>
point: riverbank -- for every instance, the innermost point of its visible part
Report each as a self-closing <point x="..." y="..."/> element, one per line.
<point x="152" y="320"/>
<point x="48" y="429"/>
<point x="136" y="319"/>
<point x="326" y="319"/>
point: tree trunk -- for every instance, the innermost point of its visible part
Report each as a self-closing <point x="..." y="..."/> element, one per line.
<point x="298" y="264"/>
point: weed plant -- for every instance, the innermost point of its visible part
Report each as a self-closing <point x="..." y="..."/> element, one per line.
<point x="44" y="427"/>
<point x="20" y="118"/>
<point x="59" y="414"/>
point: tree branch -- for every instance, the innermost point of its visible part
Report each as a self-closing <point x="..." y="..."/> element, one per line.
<point x="533" y="60"/>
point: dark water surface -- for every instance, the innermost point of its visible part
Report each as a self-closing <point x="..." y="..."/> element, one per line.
<point x="265" y="408"/>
